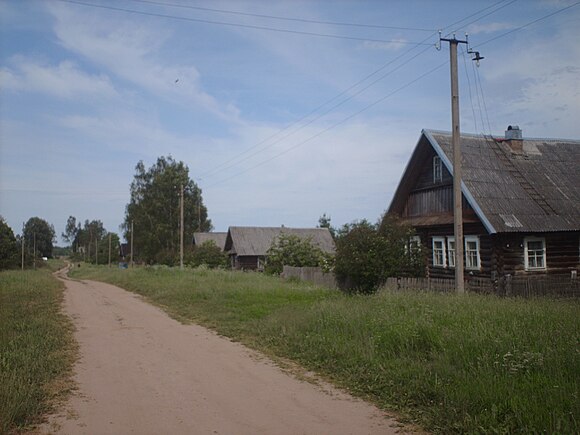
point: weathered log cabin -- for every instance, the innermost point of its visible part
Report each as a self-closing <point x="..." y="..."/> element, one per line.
<point x="248" y="247"/>
<point x="218" y="238"/>
<point x="520" y="200"/>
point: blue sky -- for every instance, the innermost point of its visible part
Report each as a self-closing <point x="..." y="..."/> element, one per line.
<point x="86" y="92"/>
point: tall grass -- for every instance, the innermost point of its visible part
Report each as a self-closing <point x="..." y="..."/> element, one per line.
<point x="36" y="346"/>
<point x="473" y="364"/>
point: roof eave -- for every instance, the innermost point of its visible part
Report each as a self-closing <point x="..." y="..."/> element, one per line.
<point x="468" y="196"/>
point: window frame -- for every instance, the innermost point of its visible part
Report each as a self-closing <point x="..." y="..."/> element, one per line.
<point x="437" y="169"/>
<point x="443" y="253"/>
<point x="451" y="239"/>
<point x="477" y="252"/>
<point x="527" y="253"/>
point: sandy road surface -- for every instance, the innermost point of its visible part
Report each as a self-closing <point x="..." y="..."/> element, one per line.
<point x="141" y="372"/>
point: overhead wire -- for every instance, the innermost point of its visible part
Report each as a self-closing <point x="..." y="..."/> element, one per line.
<point x="319" y="116"/>
<point x="469" y="86"/>
<point x="509" y="32"/>
<point x="246" y="26"/>
<point x="275" y="17"/>
<point x="233" y="159"/>
<point x="336" y="124"/>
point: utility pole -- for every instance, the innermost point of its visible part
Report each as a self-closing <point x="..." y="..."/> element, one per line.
<point x="131" y="244"/>
<point x="97" y="251"/>
<point x="455" y="132"/>
<point x="22" y="243"/>
<point x="109" y="249"/>
<point x="34" y="252"/>
<point x="181" y="229"/>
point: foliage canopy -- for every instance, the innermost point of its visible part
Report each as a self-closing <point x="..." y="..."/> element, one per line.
<point x="291" y="250"/>
<point x="9" y="252"/>
<point x="39" y="232"/>
<point x="154" y="210"/>
<point x="367" y="254"/>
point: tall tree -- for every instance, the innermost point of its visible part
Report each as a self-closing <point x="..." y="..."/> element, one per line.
<point x="40" y="231"/>
<point x="71" y="230"/>
<point x="9" y="249"/>
<point x="154" y="209"/>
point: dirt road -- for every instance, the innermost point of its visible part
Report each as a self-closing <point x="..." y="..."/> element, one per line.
<point x="142" y="372"/>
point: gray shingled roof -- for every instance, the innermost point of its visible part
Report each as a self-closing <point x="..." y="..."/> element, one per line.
<point x="534" y="190"/>
<point x="257" y="240"/>
<point x="218" y="238"/>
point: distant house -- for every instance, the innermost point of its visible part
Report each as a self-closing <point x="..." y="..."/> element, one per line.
<point x="248" y="247"/>
<point x="218" y="238"/>
<point x="521" y="204"/>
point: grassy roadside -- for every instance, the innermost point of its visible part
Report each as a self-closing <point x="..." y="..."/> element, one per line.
<point x="453" y="364"/>
<point x="36" y="345"/>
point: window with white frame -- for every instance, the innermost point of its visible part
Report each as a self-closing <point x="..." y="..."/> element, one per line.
<point x="437" y="169"/>
<point x="451" y="251"/>
<point x="439" y="251"/>
<point x="535" y="253"/>
<point x="472" y="259"/>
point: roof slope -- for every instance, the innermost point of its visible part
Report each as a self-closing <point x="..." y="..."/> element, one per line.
<point x="218" y="238"/>
<point x="533" y="190"/>
<point x="257" y="240"/>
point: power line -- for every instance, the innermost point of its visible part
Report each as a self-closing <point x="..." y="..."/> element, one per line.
<point x="233" y="159"/>
<point x="223" y="166"/>
<point x="274" y="17"/>
<point x="316" y="118"/>
<point x="481" y="17"/>
<point x="528" y="24"/>
<point x="246" y="26"/>
<point x="336" y="124"/>
<point x="469" y="86"/>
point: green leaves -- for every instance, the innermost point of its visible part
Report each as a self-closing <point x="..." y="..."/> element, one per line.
<point x="291" y="250"/>
<point x="154" y="210"/>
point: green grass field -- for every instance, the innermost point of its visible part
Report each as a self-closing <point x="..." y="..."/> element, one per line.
<point x="471" y="364"/>
<point x="36" y="346"/>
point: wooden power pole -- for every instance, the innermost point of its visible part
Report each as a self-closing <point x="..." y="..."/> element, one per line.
<point x="131" y="244"/>
<point x="455" y="132"/>
<point x="109" y="249"/>
<point x="181" y="228"/>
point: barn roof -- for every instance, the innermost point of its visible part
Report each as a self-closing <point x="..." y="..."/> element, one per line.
<point x="218" y="238"/>
<point x="532" y="189"/>
<point x="257" y="240"/>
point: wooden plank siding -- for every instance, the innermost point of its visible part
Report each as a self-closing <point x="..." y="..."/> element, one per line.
<point x="562" y="253"/>
<point x="487" y="261"/>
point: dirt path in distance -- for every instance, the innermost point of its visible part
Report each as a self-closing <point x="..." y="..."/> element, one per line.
<point x="141" y="372"/>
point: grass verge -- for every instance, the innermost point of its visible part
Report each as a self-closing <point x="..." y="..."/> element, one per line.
<point x="36" y="346"/>
<point x="472" y="364"/>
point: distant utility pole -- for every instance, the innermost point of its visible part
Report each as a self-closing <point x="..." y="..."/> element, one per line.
<point x="455" y="132"/>
<point x="181" y="229"/>
<point x="131" y="244"/>
<point x="97" y="251"/>
<point x="34" y="251"/>
<point x="109" y="249"/>
<point x="22" y="243"/>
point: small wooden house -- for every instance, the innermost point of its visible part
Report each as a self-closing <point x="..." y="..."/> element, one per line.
<point x="218" y="238"/>
<point x="248" y="247"/>
<point x="521" y="204"/>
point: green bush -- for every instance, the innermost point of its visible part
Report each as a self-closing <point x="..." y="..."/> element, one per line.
<point x="9" y="252"/>
<point x="367" y="254"/>
<point x="291" y="250"/>
<point x="208" y="254"/>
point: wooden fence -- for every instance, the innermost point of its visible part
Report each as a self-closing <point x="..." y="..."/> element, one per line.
<point x="528" y="286"/>
<point x="531" y="286"/>
<point x="311" y="274"/>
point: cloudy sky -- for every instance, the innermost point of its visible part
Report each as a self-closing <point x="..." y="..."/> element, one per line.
<point x="282" y="110"/>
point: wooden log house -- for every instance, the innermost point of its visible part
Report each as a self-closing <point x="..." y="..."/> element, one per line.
<point x="521" y="205"/>
<point x="248" y="247"/>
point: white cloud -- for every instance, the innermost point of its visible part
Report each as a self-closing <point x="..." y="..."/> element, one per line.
<point x="134" y="53"/>
<point x="474" y="29"/>
<point x="394" y="45"/>
<point x="64" y="80"/>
